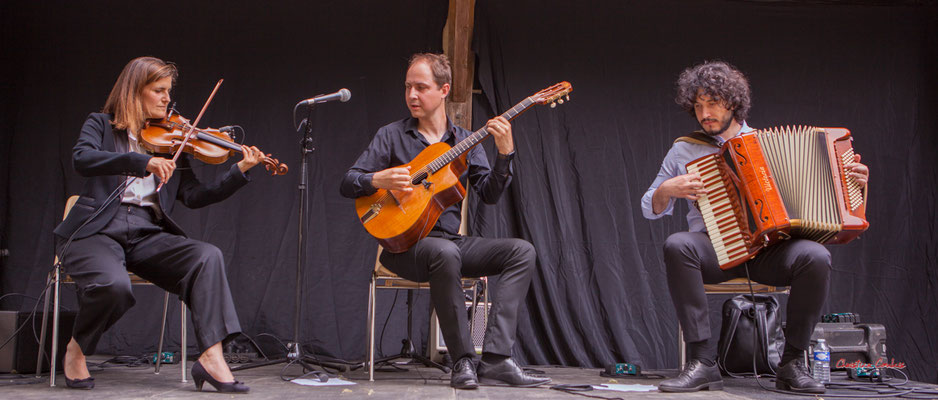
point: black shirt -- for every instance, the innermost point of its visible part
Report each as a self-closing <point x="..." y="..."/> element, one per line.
<point x="399" y="142"/>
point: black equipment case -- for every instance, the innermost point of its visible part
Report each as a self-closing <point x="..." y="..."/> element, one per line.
<point x="851" y="343"/>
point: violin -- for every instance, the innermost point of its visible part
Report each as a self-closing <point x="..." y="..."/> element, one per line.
<point x="206" y="144"/>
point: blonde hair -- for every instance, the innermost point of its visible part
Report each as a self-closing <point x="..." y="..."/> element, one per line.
<point x="124" y="101"/>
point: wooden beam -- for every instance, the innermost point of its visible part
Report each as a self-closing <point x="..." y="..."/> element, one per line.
<point x="457" y="37"/>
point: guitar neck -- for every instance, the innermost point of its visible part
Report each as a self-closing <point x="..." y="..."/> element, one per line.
<point x="475" y="138"/>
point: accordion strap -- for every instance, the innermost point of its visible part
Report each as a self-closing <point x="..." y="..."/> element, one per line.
<point x="698" y="137"/>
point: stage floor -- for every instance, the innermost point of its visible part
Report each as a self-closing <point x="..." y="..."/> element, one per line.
<point x="122" y="382"/>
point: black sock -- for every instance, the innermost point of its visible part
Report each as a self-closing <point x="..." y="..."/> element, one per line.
<point x="492" y="358"/>
<point x="791" y="353"/>
<point x="704" y="350"/>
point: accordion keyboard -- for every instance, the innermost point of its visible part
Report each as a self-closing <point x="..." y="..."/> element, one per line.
<point x="723" y="225"/>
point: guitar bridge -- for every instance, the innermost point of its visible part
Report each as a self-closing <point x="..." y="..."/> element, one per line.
<point x="372" y="213"/>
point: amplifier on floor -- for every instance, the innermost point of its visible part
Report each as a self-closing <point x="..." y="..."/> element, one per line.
<point x="19" y="355"/>
<point x="437" y="346"/>
<point x="851" y="342"/>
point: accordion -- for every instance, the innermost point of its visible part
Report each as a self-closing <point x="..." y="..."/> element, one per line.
<point x="770" y="185"/>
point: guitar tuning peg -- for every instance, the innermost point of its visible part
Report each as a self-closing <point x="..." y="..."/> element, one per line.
<point x="568" y="97"/>
<point x="553" y="105"/>
<point x="560" y="101"/>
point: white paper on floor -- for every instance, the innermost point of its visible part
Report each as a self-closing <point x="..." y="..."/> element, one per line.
<point x="619" y="387"/>
<point x="316" y="382"/>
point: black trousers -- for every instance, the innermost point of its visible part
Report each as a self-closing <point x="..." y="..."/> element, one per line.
<point x="803" y="265"/>
<point x="133" y="241"/>
<point x="442" y="261"/>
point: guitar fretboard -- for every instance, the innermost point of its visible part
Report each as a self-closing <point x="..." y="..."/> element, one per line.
<point x="474" y="139"/>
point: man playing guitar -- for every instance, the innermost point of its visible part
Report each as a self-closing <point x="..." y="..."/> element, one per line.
<point x="444" y="256"/>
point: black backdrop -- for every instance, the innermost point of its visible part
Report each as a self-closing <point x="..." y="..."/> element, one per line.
<point x="600" y="293"/>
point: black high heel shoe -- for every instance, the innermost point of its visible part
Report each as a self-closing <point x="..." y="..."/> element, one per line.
<point x="86" y="384"/>
<point x="200" y="376"/>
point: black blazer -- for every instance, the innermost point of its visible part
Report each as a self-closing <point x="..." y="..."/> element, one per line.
<point x="102" y="155"/>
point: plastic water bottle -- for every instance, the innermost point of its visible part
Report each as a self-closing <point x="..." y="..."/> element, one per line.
<point x="821" y="366"/>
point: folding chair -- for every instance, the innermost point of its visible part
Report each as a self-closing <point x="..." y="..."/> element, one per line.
<point x="56" y="276"/>
<point x="382" y="278"/>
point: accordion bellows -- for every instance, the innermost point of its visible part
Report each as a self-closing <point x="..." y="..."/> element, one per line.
<point x="773" y="184"/>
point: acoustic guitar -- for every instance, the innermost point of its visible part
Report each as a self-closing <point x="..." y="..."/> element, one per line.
<point x="400" y="219"/>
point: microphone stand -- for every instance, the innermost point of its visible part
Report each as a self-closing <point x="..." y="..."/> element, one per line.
<point x="294" y="350"/>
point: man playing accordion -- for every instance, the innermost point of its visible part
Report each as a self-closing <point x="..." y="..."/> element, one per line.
<point x="717" y="95"/>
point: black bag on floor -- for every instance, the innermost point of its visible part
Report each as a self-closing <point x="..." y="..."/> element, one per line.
<point x="740" y="319"/>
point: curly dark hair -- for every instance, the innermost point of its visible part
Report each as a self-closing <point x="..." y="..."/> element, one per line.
<point x="719" y="80"/>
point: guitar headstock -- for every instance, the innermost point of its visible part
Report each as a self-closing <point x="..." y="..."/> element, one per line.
<point x="553" y="95"/>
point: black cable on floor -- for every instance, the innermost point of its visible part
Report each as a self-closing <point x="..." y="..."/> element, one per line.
<point x="286" y="349"/>
<point x="259" y="351"/>
<point x="385" y="325"/>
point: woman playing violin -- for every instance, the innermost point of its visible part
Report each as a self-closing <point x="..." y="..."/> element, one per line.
<point x="122" y="223"/>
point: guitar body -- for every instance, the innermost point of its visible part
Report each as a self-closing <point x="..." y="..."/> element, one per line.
<point x="400" y="219"/>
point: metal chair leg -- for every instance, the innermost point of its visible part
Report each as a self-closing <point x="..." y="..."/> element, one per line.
<point x="472" y="311"/>
<point x="681" y="347"/>
<point x="55" y="327"/>
<point x="183" y="340"/>
<point x="42" y="331"/>
<point x="485" y="301"/>
<point x="371" y="328"/>
<point x="159" y="348"/>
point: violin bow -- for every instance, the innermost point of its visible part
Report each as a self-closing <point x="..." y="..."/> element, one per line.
<point x="195" y="123"/>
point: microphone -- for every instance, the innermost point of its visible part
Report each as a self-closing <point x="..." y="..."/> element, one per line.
<point x="342" y="95"/>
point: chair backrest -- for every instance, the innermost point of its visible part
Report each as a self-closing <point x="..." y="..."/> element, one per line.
<point x="68" y="207"/>
<point x="69" y="204"/>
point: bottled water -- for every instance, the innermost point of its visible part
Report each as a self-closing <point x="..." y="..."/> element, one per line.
<point x="821" y="365"/>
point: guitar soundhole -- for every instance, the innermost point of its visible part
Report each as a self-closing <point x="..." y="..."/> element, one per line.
<point x="420" y="177"/>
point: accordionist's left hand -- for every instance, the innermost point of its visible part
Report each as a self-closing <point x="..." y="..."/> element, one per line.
<point x="859" y="172"/>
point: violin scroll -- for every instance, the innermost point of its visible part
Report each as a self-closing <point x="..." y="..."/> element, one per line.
<point x="274" y="166"/>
